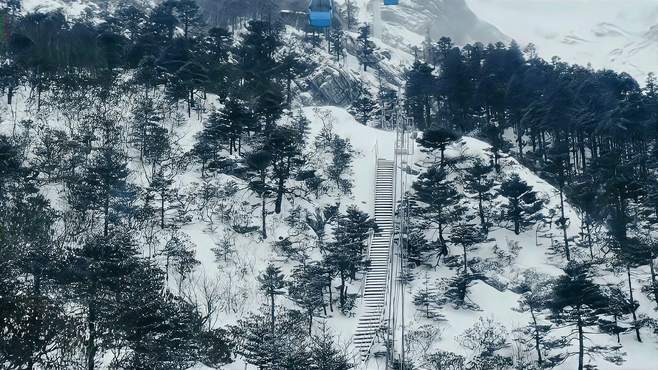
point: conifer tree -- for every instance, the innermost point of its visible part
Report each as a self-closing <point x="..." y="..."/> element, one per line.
<point x="366" y="47"/>
<point x="440" y="202"/>
<point x="478" y="181"/>
<point x="577" y="302"/>
<point x="272" y="283"/>
<point x="306" y="288"/>
<point x="558" y="165"/>
<point x="438" y="139"/>
<point x="419" y="89"/>
<point x="260" y="162"/>
<point x="523" y="205"/>
<point x="364" y="107"/>
<point x="467" y="235"/>
<point x="285" y="145"/>
<point x="341" y="163"/>
<point x="429" y="300"/>
<point x="325" y="354"/>
<point x="618" y="306"/>
<point x="535" y="290"/>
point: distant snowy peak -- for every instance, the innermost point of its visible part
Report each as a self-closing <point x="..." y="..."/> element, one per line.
<point x="573" y="40"/>
<point x="614" y="34"/>
<point x="652" y="33"/>
<point x="413" y="21"/>
<point x="605" y="29"/>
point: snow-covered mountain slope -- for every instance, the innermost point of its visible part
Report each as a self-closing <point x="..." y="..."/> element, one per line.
<point x="413" y="21"/>
<point x="620" y="35"/>
<point x="503" y="260"/>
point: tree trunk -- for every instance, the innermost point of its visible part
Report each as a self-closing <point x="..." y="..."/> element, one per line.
<point x="581" y="345"/>
<point x="331" y="295"/>
<point x="279" y="195"/>
<point x="589" y="239"/>
<point x="342" y="291"/>
<point x="563" y="220"/>
<point x="632" y="303"/>
<point x="272" y="311"/>
<point x="540" y="360"/>
<point x="263" y="215"/>
<point x="91" y="342"/>
<point x="483" y="221"/>
<point x="465" y="260"/>
<point x="654" y="283"/>
<point x="162" y="209"/>
<point x="106" y="216"/>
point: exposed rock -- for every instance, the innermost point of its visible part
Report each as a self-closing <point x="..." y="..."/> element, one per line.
<point x="330" y="85"/>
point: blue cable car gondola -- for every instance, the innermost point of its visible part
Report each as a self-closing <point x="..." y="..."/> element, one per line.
<point x="320" y="13"/>
<point x="391" y="2"/>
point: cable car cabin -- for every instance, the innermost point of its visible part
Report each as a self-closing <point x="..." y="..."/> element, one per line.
<point x="391" y="2"/>
<point x="320" y="13"/>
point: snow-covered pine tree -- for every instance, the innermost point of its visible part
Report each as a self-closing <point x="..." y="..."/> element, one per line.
<point x="577" y="303"/>
<point x="523" y="205"/>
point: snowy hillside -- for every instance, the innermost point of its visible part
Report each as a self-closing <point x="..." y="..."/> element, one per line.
<point x="504" y="260"/>
<point x="619" y="35"/>
<point x="412" y="22"/>
<point x="207" y="199"/>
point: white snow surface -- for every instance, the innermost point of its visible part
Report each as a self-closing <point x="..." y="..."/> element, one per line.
<point x="607" y="33"/>
<point x="613" y="34"/>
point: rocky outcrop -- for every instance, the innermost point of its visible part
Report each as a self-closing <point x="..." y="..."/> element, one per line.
<point x="330" y="85"/>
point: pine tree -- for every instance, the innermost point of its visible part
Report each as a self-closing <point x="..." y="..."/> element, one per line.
<point x="582" y="193"/>
<point x="353" y="228"/>
<point x="364" y="107"/>
<point x="419" y="89"/>
<point x="272" y="283"/>
<point x="189" y="16"/>
<point x="618" y="306"/>
<point x="558" y="166"/>
<point x="366" y="47"/>
<point x="493" y="134"/>
<point x="337" y="42"/>
<point x="523" y="205"/>
<point x="341" y="163"/>
<point x="351" y="14"/>
<point x="343" y="260"/>
<point x="438" y="139"/>
<point x="429" y="301"/>
<point x="306" y="288"/>
<point x="630" y="254"/>
<point x="577" y="303"/>
<point x="293" y="66"/>
<point x="478" y="181"/>
<point x="467" y="235"/>
<point x="287" y="349"/>
<point x="325" y="355"/>
<point x="344" y="256"/>
<point x="416" y="246"/>
<point x="103" y="186"/>
<point x="178" y="252"/>
<point x="441" y="202"/>
<point x="457" y="291"/>
<point x="285" y="146"/>
<point x="96" y="273"/>
<point x="260" y="162"/>
<point x="535" y="297"/>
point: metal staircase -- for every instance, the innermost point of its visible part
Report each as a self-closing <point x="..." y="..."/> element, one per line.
<point x="378" y="274"/>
